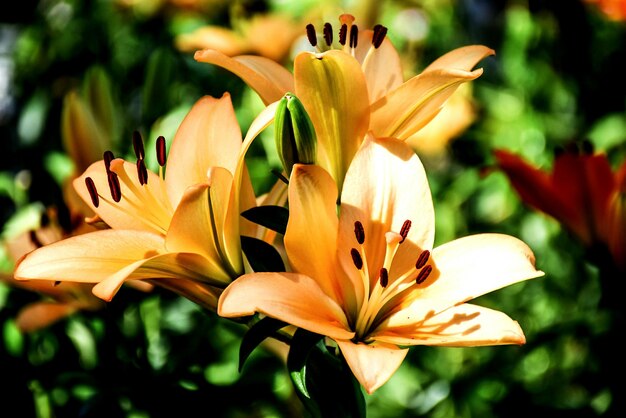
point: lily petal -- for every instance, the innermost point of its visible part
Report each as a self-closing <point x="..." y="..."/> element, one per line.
<point x="333" y="89"/>
<point x="385" y="186"/>
<point x="372" y="364"/>
<point x="268" y="78"/>
<point x="311" y="236"/>
<point x="142" y="207"/>
<point x="467" y="268"/>
<point x="463" y="58"/>
<point x="381" y="66"/>
<point x="194" y="228"/>
<point x="293" y="298"/>
<point x="91" y="257"/>
<point x="405" y="110"/>
<point x="39" y="315"/>
<point x="209" y="136"/>
<point x="465" y="325"/>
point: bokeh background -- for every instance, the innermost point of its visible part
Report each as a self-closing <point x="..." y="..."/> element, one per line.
<point x="559" y="75"/>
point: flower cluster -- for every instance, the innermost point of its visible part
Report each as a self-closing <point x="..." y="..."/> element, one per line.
<point x="360" y="264"/>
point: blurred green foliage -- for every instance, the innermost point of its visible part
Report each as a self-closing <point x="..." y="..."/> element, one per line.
<point x="558" y="76"/>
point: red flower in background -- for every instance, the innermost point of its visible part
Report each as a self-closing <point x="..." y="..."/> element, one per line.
<point x="582" y="192"/>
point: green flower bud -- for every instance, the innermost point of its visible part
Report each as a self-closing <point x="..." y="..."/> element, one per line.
<point x="295" y="136"/>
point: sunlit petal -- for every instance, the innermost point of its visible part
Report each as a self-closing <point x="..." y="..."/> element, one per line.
<point x="465" y="325"/>
<point x="293" y="298"/>
<point x="381" y="66"/>
<point x="142" y="207"/>
<point x="333" y="90"/>
<point x="385" y="186"/>
<point x="209" y="136"/>
<point x="463" y="58"/>
<point x="268" y="78"/>
<point x="405" y="110"/>
<point x="372" y="364"/>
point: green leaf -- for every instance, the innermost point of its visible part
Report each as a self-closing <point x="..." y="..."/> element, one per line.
<point x="256" y="335"/>
<point x="270" y="216"/>
<point x="261" y="255"/>
<point x="301" y="344"/>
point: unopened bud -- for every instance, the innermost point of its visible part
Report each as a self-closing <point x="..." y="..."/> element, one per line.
<point x="295" y="136"/>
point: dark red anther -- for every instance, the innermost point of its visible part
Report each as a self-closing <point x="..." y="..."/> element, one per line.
<point x="310" y="33"/>
<point x="328" y="33"/>
<point x="93" y="192"/>
<point x="58" y="282"/>
<point x="404" y="231"/>
<point x="384" y="277"/>
<point x="422" y="259"/>
<point x="423" y="274"/>
<point x="343" y="34"/>
<point x="379" y="35"/>
<point x="114" y="186"/>
<point x="142" y="172"/>
<point x="354" y="36"/>
<point x="108" y="157"/>
<point x="138" y="145"/>
<point x="359" y="232"/>
<point x="161" y="151"/>
<point x="32" y="235"/>
<point x="356" y="258"/>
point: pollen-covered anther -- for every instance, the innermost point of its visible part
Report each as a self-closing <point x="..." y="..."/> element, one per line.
<point x="343" y="34"/>
<point x="328" y="33"/>
<point x="384" y="277"/>
<point x="356" y="258"/>
<point x="354" y="36"/>
<point x="142" y="172"/>
<point x="138" y="146"/>
<point x="34" y="239"/>
<point x="423" y="274"/>
<point x="380" y="32"/>
<point x="93" y="192"/>
<point x="161" y="151"/>
<point x="311" y="35"/>
<point x="422" y="259"/>
<point x="108" y="157"/>
<point x="114" y="186"/>
<point x="404" y="231"/>
<point x="359" y="232"/>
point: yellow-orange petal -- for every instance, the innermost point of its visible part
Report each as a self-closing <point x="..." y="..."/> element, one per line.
<point x="372" y="364"/>
<point x="464" y="325"/>
<point x="381" y="66"/>
<point x="405" y="110"/>
<point x="209" y="136"/>
<point x="293" y="298"/>
<point x="268" y="78"/>
<point x="463" y="58"/>
<point x="39" y="315"/>
<point x="333" y="89"/>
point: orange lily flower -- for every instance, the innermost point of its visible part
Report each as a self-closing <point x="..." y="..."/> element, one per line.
<point x="180" y="230"/>
<point x="359" y="88"/>
<point x="370" y="278"/>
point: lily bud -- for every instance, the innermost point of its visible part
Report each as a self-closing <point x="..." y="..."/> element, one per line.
<point x="295" y="136"/>
<point x="98" y="94"/>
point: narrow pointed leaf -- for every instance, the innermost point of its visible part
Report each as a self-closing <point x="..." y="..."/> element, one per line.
<point x="261" y="330"/>
<point x="261" y="255"/>
<point x="270" y="216"/>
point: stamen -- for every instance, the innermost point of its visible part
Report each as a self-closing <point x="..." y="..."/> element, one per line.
<point x="161" y="151"/>
<point x="58" y="282"/>
<point x="114" y="186"/>
<point x="44" y="219"/>
<point x="32" y="235"/>
<point x="379" y="35"/>
<point x="280" y="176"/>
<point x="422" y="259"/>
<point x="138" y="145"/>
<point x="356" y="258"/>
<point x="142" y="172"/>
<point x="359" y="232"/>
<point x="328" y="33"/>
<point x="424" y="274"/>
<point x="404" y="231"/>
<point x="310" y="33"/>
<point x="343" y="34"/>
<point x="108" y="157"/>
<point x="354" y="36"/>
<point x="384" y="277"/>
<point x="93" y="192"/>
